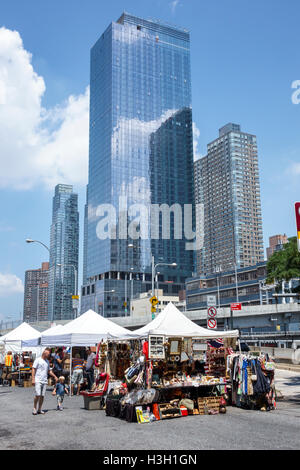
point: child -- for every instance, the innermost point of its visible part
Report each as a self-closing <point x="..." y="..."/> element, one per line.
<point x="60" y="390"/>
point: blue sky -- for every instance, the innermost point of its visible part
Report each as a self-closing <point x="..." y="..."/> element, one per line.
<point x="244" y="59"/>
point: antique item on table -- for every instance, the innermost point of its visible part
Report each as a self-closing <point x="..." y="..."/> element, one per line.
<point x="156" y="347"/>
<point x="175" y="346"/>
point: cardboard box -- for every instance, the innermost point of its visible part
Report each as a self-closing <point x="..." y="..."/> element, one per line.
<point x="93" y="403"/>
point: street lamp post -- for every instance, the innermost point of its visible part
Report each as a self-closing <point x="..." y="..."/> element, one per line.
<point x="218" y="270"/>
<point x="236" y="284"/>
<point x="131" y="293"/>
<point x="154" y="266"/>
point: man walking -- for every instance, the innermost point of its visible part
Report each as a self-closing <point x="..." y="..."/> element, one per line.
<point x="40" y="371"/>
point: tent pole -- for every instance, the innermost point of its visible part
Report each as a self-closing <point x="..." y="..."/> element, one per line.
<point x="19" y="368"/>
<point x="70" y="372"/>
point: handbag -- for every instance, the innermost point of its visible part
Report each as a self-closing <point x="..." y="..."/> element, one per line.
<point x="189" y="404"/>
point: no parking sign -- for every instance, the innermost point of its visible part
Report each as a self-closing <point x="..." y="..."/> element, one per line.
<point x="212" y="323"/>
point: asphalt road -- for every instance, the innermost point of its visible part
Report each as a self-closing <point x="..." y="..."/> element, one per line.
<point x="76" y="428"/>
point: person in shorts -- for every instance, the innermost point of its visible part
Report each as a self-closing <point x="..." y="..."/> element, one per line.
<point x="77" y="375"/>
<point x="40" y="371"/>
<point x="59" y="391"/>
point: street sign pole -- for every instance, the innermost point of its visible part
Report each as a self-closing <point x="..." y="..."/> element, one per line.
<point x="234" y="307"/>
<point x="211" y="312"/>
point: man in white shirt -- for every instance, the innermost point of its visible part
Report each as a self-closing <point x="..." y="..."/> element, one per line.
<point x="40" y="371"/>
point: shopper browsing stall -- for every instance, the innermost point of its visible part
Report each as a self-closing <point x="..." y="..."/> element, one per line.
<point x="58" y="362"/>
<point x="89" y="367"/>
<point x="77" y="376"/>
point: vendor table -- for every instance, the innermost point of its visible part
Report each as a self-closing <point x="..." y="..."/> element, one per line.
<point x="207" y="388"/>
<point x="116" y="410"/>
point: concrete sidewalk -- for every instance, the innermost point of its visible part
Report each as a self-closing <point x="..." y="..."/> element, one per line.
<point x="288" y="384"/>
<point x="286" y="366"/>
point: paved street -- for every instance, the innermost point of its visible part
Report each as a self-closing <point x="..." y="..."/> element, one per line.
<point x="76" y="428"/>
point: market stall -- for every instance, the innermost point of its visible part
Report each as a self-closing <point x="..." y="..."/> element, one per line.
<point x="88" y="329"/>
<point x="18" y="357"/>
<point x="169" y="378"/>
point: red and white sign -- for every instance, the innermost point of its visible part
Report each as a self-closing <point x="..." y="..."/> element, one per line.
<point x="212" y="323"/>
<point x="212" y="312"/>
<point x="236" y="306"/>
<point x="297" y="210"/>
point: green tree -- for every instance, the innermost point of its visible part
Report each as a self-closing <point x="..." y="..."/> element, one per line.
<point x="284" y="265"/>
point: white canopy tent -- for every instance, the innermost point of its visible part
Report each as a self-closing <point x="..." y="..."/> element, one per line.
<point x="37" y="341"/>
<point x="173" y="323"/>
<point x="14" y="340"/>
<point x="86" y="330"/>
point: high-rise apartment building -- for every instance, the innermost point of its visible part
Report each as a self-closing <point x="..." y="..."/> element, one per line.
<point x="227" y="184"/>
<point x="276" y="243"/>
<point x="141" y="154"/>
<point x="36" y="294"/>
<point x="64" y="245"/>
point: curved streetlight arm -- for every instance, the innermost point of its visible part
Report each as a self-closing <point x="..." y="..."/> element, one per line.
<point x="29" y="240"/>
<point x="154" y="266"/>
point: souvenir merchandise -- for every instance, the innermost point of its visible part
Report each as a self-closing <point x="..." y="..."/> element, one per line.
<point x="168" y="382"/>
<point x="16" y="368"/>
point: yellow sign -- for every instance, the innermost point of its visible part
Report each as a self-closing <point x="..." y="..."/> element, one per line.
<point x="278" y="327"/>
<point x="75" y="297"/>
<point x="153" y="309"/>
<point x="153" y="300"/>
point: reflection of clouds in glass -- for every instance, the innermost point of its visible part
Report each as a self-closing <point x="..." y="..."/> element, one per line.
<point x="137" y="190"/>
<point x="130" y="141"/>
<point x="91" y="213"/>
<point x="133" y="134"/>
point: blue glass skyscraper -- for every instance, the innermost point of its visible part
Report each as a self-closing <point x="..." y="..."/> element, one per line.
<point x="141" y="153"/>
<point x="64" y="245"/>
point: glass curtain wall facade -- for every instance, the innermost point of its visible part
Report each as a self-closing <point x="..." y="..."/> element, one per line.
<point x="64" y="246"/>
<point x="141" y="152"/>
<point x="227" y="184"/>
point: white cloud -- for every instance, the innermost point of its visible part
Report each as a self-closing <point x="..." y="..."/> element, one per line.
<point x="38" y="146"/>
<point x="196" y="136"/>
<point x="174" y="5"/>
<point x="6" y="228"/>
<point x="293" y="169"/>
<point x="10" y="284"/>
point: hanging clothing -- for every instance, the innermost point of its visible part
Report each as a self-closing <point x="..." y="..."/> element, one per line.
<point x="261" y="385"/>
